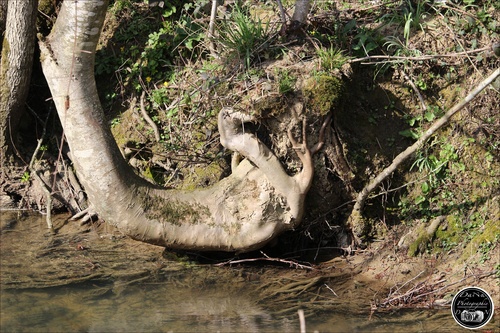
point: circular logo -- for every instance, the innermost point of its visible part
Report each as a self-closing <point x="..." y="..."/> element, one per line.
<point x="472" y="307"/>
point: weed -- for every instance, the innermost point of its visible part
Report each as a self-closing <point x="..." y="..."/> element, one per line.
<point x="25" y="177"/>
<point x="243" y="37"/>
<point x="331" y="58"/>
<point x="286" y="81"/>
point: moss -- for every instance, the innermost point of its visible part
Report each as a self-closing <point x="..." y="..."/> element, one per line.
<point x="450" y="95"/>
<point x="205" y="175"/>
<point x="148" y="174"/>
<point x="488" y="235"/>
<point x="4" y="88"/>
<point x="321" y="93"/>
<point x="172" y="211"/>
<point x="272" y="105"/>
<point x="451" y="234"/>
<point x="46" y="6"/>
<point x="420" y="244"/>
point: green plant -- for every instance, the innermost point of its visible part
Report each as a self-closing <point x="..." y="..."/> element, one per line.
<point x="242" y="36"/>
<point x="286" y="81"/>
<point x="331" y="58"/>
<point x="26" y="177"/>
<point x="414" y="17"/>
<point x="366" y="41"/>
<point x="416" y="122"/>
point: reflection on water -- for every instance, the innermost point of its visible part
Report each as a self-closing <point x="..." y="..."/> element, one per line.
<point x="158" y="308"/>
<point x="167" y="308"/>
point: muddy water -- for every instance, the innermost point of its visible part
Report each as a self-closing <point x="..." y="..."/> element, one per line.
<point x="35" y="295"/>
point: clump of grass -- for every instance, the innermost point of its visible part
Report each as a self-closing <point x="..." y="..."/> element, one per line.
<point x="331" y="58"/>
<point x="243" y="37"/>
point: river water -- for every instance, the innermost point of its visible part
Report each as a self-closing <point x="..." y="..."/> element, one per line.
<point x="165" y="308"/>
<point x="175" y="305"/>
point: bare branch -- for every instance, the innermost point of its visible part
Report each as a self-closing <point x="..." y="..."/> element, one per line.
<point x="389" y="58"/>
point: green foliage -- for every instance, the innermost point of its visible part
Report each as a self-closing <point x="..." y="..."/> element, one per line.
<point x="26" y="177"/>
<point x="435" y="161"/>
<point x="417" y="122"/>
<point x="243" y="37"/>
<point x="286" y="81"/>
<point x="331" y="58"/>
<point x="142" y="50"/>
<point x="366" y="41"/>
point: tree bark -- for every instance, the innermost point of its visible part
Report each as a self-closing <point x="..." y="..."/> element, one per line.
<point x="15" y="68"/>
<point x="301" y="11"/>
<point x="240" y="213"/>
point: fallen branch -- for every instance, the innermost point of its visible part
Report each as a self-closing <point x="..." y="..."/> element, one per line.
<point x="415" y="89"/>
<point x="356" y="221"/>
<point x="292" y="263"/>
<point x="412" y="297"/>
<point x="388" y="58"/>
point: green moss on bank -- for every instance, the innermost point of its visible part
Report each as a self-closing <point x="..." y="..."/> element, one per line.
<point x="322" y="93"/>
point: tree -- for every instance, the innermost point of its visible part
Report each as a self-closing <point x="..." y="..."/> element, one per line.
<point x="15" y="67"/>
<point x="240" y="213"/>
<point x="300" y="13"/>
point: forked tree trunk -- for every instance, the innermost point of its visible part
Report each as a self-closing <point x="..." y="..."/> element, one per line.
<point x="240" y="213"/>
<point x="15" y="67"/>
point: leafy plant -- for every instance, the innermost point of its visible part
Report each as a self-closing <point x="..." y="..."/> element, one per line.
<point x="286" y="81"/>
<point x="26" y="177"/>
<point x="366" y="41"/>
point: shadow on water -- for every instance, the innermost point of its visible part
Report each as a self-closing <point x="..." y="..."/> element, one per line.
<point x="97" y="282"/>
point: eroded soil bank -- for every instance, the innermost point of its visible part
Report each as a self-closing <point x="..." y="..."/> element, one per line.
<point x="370" y="281"/>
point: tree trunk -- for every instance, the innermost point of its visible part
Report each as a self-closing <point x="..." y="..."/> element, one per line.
<point x="301" y="11"/>
<point x="15" y="68"/>
<point x="240" y="213"/>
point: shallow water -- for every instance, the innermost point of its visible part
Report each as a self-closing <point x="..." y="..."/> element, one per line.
<point x="167" y="308"/>
<point x="174" y="303"/>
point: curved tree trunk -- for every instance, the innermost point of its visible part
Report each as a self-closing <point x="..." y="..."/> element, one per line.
<point x="15" y="67"/>
<point x="241" y="213"/>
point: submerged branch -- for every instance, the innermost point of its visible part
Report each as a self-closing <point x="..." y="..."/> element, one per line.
<point x="291" y="263"/>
